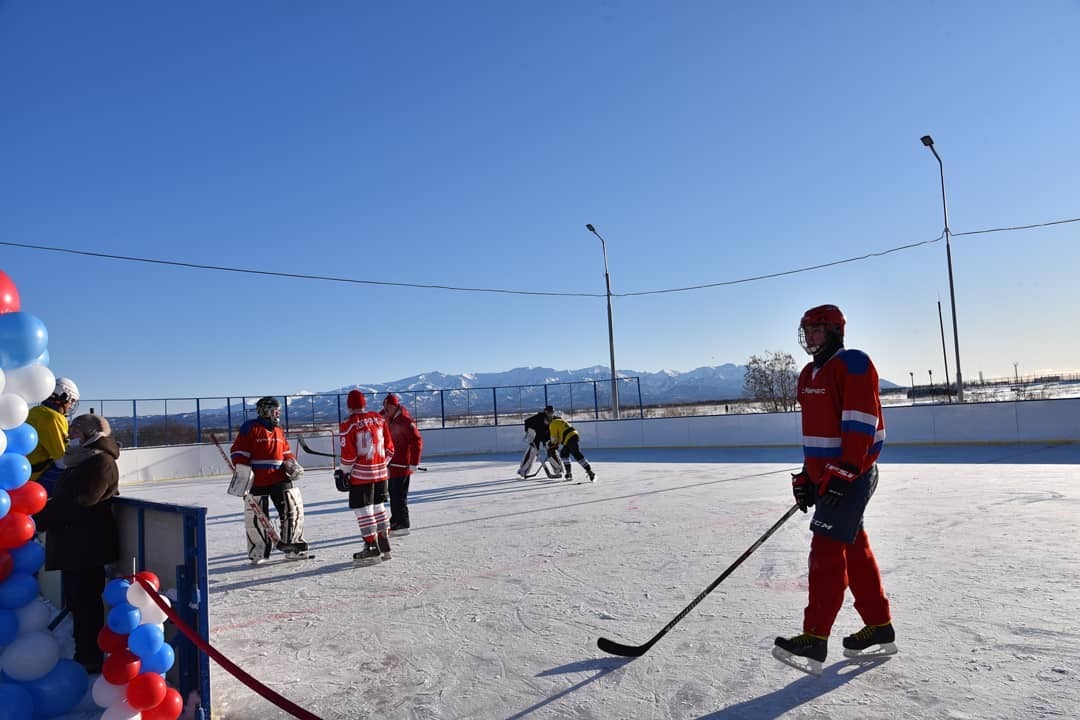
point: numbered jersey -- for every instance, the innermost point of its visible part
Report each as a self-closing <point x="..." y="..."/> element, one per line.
<point x="366" y="448"/>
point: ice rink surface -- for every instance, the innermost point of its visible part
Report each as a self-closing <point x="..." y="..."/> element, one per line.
<point x="491" y="608"/>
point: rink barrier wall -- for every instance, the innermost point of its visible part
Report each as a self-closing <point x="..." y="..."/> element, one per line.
<point x="1022" y="421"/>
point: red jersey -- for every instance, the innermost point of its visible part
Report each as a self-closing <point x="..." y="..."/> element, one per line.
<point x="407" y="443"/>
<point x="842" y="422"/>
<point x="366" y="448"/>
<point x="265" y="449"/>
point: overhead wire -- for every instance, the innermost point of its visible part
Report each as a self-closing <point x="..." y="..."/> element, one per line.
<point x="505" y="291"/>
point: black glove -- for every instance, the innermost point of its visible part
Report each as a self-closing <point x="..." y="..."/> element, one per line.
<point x="835" y="483"/>
<point x="341" y="481"/>
<point x="802" y="487"/>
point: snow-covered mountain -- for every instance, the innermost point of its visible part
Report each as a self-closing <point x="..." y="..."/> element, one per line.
<point x="721" y="382"/>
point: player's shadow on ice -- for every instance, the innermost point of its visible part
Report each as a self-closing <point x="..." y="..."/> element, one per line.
<point x="803" y="690"/>
<point x="598" y="666"/>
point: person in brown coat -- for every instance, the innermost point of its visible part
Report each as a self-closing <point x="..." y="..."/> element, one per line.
<point x="81" y="534"/>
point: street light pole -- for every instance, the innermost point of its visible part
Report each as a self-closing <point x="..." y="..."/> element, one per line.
<point x="944" y="352"/>
<point x="610" y="326"/>
<point x="929" y="142"/>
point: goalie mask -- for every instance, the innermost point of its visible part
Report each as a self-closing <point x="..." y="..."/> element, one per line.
<point x="821" y="327"/>
<point x="269" y="409"/>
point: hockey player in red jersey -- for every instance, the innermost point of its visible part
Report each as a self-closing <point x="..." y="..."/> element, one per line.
<point x="408" y="447"/>
<point x="262" y="452"/>
<point x="843" y="432"/>
<point x="366" y="450"/>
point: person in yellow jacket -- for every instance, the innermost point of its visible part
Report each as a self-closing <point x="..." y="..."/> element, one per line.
<point x="563" y="433"/>
<point x="50" y="419"/>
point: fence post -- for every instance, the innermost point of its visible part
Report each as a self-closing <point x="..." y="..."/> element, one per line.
<point x="135" y="423"/>
<point x="442" y="406"/>
<point x="494" y="406"/>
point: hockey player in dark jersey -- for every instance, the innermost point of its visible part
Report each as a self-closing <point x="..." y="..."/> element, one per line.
<point x="843" y="432"/>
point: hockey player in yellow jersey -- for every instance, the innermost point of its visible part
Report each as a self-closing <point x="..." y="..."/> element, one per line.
<point x="564" y="434"/>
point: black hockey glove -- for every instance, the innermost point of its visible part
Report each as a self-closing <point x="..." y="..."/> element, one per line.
<point x="835" y="483"/>
<point x="341" y="481"/>
<point x="802" y="487"/>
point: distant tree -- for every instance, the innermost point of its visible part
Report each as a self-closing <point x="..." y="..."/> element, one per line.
<point x="771" y="380"/>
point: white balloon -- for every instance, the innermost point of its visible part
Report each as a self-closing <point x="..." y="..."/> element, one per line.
<point x="120" y="710"/>
<point x="3" y="443"/>
<point x="154" y="614"/>
<point x="33" y="383"/>
<point x="138" y="597"/>
<point x="13" y="410"/>
<point x="106" y="694"/>
<point x="1" y="380"/>
<point x="30" y="656"/>
<point x="33" y="616"/>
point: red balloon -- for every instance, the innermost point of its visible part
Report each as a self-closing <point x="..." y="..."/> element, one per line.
<point x="168" y="709"/>
<point x="6" y="564"/>
<point x="111" y="642"/>
<point x="9" y="296"/>
<point x="121" y="667"/>
<point x="16" y="528"/>
<point x="148" y="576"/>
<point x="146" y="690"/>
<point x="29" y="498"/>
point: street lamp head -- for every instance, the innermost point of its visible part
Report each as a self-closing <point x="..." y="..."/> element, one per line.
<point x="927" y="141"/>
<point x="590" y="228"/>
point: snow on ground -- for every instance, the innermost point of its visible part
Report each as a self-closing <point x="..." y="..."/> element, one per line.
<point x="492" y="606"/>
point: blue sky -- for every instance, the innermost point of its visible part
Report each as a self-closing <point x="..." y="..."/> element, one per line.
<point x="469" y="143"/>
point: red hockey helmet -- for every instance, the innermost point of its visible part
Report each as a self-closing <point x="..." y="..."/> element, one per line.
<point x="826" y="316"/>
<point x="356" y="400"/>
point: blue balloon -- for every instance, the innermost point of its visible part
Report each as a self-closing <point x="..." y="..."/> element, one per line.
<point x="16" y="703"/>
<point x="9" y="626"/>
<point x="59" y="690"/>
<point x="28" y="557"/>
<point x="146" y="640"/>
<point x="21" y="440"/>
<point x="116" y="592"/>
<point x="17" y="590"/>
<point x="159" y="662"/>
<point x="14" y="470"/>
<point x="123" y="618"/>
<point x="5" y="503"/>
<point x="22" y="338"/>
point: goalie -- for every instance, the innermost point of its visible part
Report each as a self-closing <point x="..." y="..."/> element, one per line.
<point x="536" y="435"/>
<point x="266" y="470"/>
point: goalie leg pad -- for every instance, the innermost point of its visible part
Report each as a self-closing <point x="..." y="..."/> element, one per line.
<point x="258" y="543"/>
<point x="242" y="478"/>
<point x="291" y="512"/>
<point x="527" y="460"/>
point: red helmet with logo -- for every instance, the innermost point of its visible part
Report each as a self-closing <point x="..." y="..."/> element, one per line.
<point x="828" y="316"/>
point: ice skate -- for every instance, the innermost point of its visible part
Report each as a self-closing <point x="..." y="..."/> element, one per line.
<point x="803" y="652"/>
<point x="384" y="546"/>
<point x="370" y="555"/>
<point x="298" y="555"/>
<point x="398" y="531"/>
<point x="871" y="641"/>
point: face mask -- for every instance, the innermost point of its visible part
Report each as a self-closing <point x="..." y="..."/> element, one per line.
<point x="74" y="442"/>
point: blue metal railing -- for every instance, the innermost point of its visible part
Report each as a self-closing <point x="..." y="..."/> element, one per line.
<point x="177" y="421"/>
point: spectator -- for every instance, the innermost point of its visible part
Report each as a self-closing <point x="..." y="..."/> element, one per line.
<point x="81" y="535"/>
<point x="50" y="419"/>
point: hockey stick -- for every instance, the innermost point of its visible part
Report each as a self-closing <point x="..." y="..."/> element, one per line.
<point x="254" y="505"/>
<point x="610" y="646"/>
<point x="309" y="451"/>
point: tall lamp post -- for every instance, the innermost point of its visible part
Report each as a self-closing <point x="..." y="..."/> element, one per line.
<point x="610" y="327"/>
<point x="944" y="352"/>
<point x="929" y="142"/>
